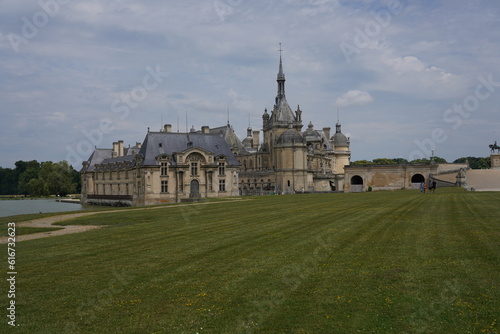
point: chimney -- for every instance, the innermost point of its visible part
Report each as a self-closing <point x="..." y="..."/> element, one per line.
<point x="256" y="135"/>
<point x="167" y="128"/>
<point x="115" y="149"/>
<point x="120" y="148"/>
<point x="205" y="129"/>
<point x="327" y="133"/>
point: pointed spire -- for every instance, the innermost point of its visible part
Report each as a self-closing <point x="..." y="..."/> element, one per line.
<point x="280" y="80"/>
<point x="281" y="75"/>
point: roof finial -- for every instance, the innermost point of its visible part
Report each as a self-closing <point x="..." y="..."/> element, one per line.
<point x="338" y="117"/>
<point x="280" y="50"/>
<point x="228" y="114"/>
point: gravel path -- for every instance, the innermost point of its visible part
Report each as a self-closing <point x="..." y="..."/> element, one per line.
<point x="48" y="221"/>
<point x="68" y="229"/>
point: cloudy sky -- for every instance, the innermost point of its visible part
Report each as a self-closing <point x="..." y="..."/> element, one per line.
<point x="406" y="76"/>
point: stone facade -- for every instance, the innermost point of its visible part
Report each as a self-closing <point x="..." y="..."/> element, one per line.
<point x="289" y="160"/>
<point x="170" y="167"/>
<point x="166" y="167"/>
<point x="394" y="177"/>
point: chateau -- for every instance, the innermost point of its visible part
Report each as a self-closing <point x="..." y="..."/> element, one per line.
<point x="290" y="160"/>
<point x="171" y="166"/>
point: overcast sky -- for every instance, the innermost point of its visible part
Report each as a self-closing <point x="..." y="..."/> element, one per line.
<point x="406" y="76"/>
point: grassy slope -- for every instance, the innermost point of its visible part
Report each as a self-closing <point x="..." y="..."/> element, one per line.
<point x="384" y="262"/>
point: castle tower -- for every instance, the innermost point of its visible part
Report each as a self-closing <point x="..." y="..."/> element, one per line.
<point x="281" y="117"/>
<point x="341" y="144"/>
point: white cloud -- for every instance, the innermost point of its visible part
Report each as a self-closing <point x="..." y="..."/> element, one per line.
<point x="408" y="64"/>
<point x="354" y="97"/>
<point x="80" y="61"/>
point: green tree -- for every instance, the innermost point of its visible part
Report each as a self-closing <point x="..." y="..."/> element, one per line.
<point x="400" y="161"/>
<point x="46" y="178"/>
<point x="27" y="172"/>
<point x="436" y="160"/>
<point x="59" y="177"/>
<point x="38" y="187"/>
<point x="383" y="161"/>
<point x="475" y="162"/>
<point x="439" y="160"/>
<point x="77" y="179"/>
<point x="8" y="181"/>
<point x="361" y="162"/>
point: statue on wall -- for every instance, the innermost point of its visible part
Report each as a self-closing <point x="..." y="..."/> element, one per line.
<point x="494" y="147"/>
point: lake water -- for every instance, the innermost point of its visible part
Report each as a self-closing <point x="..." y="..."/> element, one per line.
<point x="25" y="206"/>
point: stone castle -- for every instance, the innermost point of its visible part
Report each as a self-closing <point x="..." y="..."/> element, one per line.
<point x="171" y="166"/>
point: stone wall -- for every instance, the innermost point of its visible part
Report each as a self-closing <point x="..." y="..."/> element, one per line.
<point x="495" y="161"/>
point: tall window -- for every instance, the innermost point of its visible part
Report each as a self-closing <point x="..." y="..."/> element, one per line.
<point x="194" y="168"/>
<point x="164" y="186"/>
<point x="164" y="169"/>
<point x="222" y="168"/>
<point x="222" y="185"/>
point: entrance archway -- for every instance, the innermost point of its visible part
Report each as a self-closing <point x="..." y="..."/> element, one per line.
<point x="416" y="180"/>
<point x="356" y="180"/>
<point x="356" y="184"/>
<point x="194" y="189"/>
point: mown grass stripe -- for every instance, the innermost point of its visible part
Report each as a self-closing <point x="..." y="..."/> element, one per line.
<point x="379" y="262"/>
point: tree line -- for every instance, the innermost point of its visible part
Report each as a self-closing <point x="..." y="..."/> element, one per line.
<point x="33" y="178"/>
<point x="474" y="162"/>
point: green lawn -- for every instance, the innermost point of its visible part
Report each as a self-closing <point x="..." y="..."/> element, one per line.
<point x="379" y="262"/>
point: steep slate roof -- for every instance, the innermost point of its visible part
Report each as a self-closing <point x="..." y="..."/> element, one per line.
<point x="170" y="143"/>
<point x="231" y="138"/>
<point x="157" y="143"/>
<point x="283" y="112"/>
<point x="97" y="157"/>
<point x="124" y="158"/>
